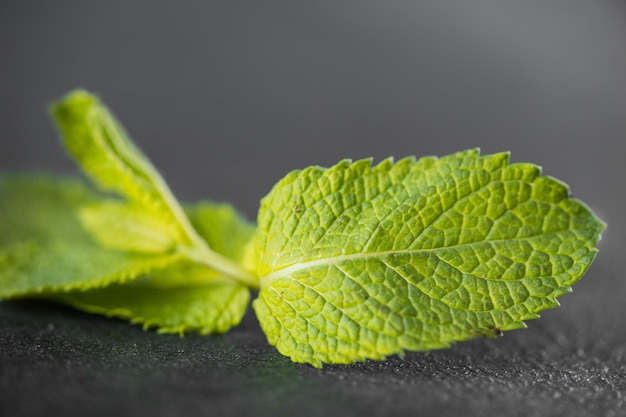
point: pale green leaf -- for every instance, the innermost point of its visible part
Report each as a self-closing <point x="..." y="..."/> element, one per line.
<point x="121" y="226"/>
<point x="186" y="296"/>
<point x="45" y="249"/>
<point x="99" y="144"/>
<point x="363" y="262"/>
<point x="208" y="308"/>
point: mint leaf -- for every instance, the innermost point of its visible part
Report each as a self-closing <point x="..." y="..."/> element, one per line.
<point x="44" y="248"/>
<point x="126" y="227"/>
<point x="103" y="149"/>
<point x="206" y="308"/>
<point x="45" y="251"/>
<point x="100" y="145"/>
<point x="186" y="296"/>
<point x="363" y="262"/>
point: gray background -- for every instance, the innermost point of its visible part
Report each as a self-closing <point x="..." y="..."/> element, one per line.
<point x="227" y="97"/>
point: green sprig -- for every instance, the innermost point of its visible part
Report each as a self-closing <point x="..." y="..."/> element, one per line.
<point x="352" y="262"/>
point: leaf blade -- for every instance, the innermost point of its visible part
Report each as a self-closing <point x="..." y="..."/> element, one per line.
<point x="208" y="308"/>
<point x="45" y="249"/>
<point x="103" y="149"/>
<point x="346" y="254"/>
<point x="126" y="227"/>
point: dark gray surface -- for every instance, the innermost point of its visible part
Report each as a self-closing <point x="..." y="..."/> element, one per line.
<point x="58" y="362"/>
<point x="227" y="98"/>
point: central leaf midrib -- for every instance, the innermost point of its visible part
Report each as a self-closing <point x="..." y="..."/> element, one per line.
<point x="300" y="266"/>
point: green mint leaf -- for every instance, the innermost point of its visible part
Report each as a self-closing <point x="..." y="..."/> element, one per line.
<point x="126" y="227"/>
<point x="105" y="152"/>
<point x="99" y="144"/>
<point x="45" y="249"/>
<point x="363" y="262"/>
<point x="186" y="296"/>
<point x="207" y="308"/>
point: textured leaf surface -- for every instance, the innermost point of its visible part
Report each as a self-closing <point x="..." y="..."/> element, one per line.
<point x="362" y="262"/>
<point x="44" y="248"/>
<point x="185" y="296"/>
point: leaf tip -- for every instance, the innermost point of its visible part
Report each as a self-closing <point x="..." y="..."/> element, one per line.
<point x="68" y="104"/>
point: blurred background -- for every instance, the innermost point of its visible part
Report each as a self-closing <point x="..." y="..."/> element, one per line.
<point x="227" y="97"/>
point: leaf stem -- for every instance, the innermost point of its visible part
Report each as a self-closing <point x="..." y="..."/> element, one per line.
<point x="207" y="257"/>
<point x="200" y="251"/>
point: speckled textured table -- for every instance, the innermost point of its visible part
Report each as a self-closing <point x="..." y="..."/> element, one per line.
<point x="59" y="362"/>
<point x="226" y="98"/>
